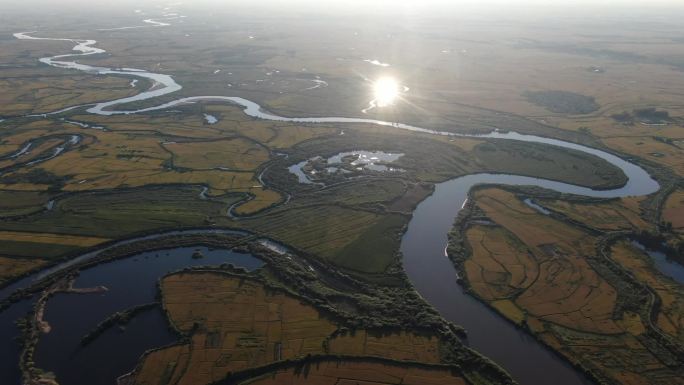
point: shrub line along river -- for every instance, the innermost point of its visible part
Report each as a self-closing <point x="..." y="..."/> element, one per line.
<point x="422" y="246"/>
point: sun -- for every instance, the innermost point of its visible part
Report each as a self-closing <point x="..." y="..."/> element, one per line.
<point x="385" y="91"/>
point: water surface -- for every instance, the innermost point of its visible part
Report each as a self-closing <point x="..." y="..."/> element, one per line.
<point x="663" y="263"/>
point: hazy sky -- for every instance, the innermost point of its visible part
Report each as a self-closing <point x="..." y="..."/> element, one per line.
<point x="356" y="3"/>
<point x="445" y="8"/>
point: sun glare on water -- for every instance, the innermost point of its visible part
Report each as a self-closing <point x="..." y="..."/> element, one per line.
<point x="385" y="91"/>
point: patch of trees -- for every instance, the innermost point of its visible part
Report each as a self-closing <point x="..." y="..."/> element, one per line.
<point x="563" y="102"/>
<point x="659" y="242"/>
<point x="37" y="176"/>
<point x="645" y="115"/>
<point x="663" y="139"/>
<point x="651" y="115"/>
<point x="119" y="318"/>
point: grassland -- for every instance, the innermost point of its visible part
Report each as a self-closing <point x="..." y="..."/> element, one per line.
<point x="355" y="239"/>
<point x="41" y="90"/>
<point x="399" y="346"/>
<point x="139" y="158"/>
<point x="562" y="283"/>
<point x="15" y="203"/>
<point x="102" y="213"/>
<point x="235" y="154"/>
<point x="650" y="148"/>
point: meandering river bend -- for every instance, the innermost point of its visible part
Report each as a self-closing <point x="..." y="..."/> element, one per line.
<point x="429" y="270"/>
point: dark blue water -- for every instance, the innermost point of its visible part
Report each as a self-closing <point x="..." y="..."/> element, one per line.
<point x="114" y="352"/>
<point x="663" y="263"/>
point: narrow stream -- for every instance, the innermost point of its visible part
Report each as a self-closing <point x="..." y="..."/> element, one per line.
<point x="433" y="275"/>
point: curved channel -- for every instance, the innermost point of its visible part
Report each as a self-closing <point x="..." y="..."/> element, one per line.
<point x="431" y="273"/>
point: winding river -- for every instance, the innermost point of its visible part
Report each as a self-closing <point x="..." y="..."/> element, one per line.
<point x="430" y="271"/>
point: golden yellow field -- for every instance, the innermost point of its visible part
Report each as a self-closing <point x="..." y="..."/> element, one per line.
<point x="236" y="323"/>
<point x="651" y="149"/>
<point x="242" y="326"/>
<point x="620" y="214"/>
<point x="26" y="94"/>
<point x="549" y="275"/>
<point x="402" y="346"/>
<point x="53" y="239"/>
<point x="499" y="265"/>
<point x="358" y="372"/>
<point x="262" y="199"/>
<point x="535" y="271"/>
